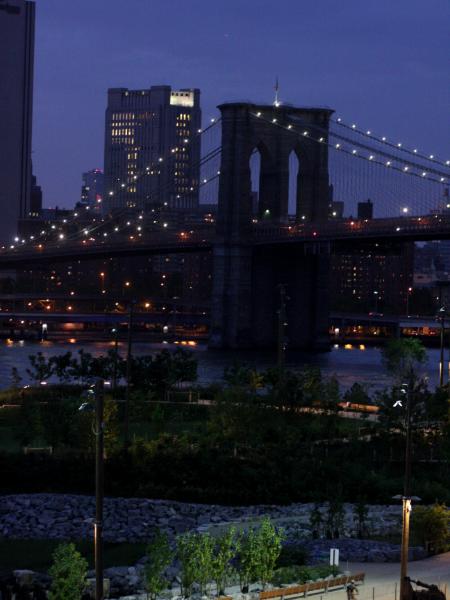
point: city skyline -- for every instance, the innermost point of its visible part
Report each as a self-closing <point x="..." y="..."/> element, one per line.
<point x="386" y="85"/>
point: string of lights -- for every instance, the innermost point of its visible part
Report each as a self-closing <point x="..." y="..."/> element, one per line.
<point x="384" y="140"/>
<point x="408" y="167"/>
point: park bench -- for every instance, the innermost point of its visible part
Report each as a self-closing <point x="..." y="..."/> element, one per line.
<point x="324" y="585"/>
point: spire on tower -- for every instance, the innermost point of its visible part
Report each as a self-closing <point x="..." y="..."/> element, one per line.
<point x="276" y="101"/>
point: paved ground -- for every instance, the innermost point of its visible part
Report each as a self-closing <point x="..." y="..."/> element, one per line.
<point x="382" y="579"/>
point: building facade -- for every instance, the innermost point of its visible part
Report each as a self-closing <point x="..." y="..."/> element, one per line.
<point x="92" y="188"/>
<point x="16" y="106"/>
<point x="152" y="152"/>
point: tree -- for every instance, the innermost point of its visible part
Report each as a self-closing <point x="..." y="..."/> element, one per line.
<point x="430" y="525"/>
<point x="221" y="563"/>
<point x="41" y="367"/>
<point x="269" y="540"/>
<point x="247" y="558"/>
<point x="68" y="572"/>
<point x="81" y="367"/>
<point x="402" y="358"/>
<point x="62" y="365"/>
<point x="316" y="521"/>
<point x="360" y="515"/>
<point x="203" y="555"/>
<point x="186" y="556"/>
<point x="159" y="557"/>
<point x="16" y="377"/>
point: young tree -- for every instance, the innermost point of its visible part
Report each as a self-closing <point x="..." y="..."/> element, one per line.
<point x="62" y="365"/>
<point x="68" y="572"/>
<point x="360" y="515"/>
<point x="16" y="377"/>
<point x="203" y="553"/>
<point x="187" y="558"/>
<point x="247" y="558"/>
<point x="221" y="562"/>
<point x="159" y="557"/>
<point x="316" y="521"/>
<point x="269" y="539"/>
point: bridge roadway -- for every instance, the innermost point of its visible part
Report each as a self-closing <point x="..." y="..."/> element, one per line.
<point x="108" y="317"/>
<point x="401" y="229"/>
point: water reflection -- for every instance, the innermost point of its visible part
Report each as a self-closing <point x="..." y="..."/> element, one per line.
<point x="349" y="363"/>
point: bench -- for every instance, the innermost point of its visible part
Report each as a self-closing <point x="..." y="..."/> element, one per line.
<point x="317" y="586"/>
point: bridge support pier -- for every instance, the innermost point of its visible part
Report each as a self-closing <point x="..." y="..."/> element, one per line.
<point x="246" y="297"/>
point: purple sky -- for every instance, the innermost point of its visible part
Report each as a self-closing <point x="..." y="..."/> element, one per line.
<point x="383" y="65"/>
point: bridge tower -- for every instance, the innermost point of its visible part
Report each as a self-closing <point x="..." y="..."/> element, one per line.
<point x="247" y="277"/>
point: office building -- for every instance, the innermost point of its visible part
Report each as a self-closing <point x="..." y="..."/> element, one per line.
<point x="16" y="104"/>
<point x="365" y="210"/>
<point x="92" y="188"/>
<point x="152" y="152"/>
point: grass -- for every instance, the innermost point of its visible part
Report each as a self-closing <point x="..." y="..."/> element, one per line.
<point x="37" y="554"/>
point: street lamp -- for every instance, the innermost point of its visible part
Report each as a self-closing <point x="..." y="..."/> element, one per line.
<point x="406" y="390"/>
<point x="441" y="319"/>
<point x="376" y="300"/>
<point x="115" y="332"/>
<point x="408" y="294"/>
<point x="94" y="397"/>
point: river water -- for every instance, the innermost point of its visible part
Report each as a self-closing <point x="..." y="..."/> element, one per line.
<point x="349" y="365"/>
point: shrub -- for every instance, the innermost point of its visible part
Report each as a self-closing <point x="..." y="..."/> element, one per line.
<point x="292" y="555"/>
<point x="224" y="552"/>
<point x="69" y="571"/>
<point x="295" y="574"/>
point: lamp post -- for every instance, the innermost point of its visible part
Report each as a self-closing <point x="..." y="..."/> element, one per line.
<point x="408" y="294"/>
<point x="128" y="372"/>
<point x="406" y="390"/>
<point x="441" y="319"/>
<point x="376" y="300"/>
<point x="115" y="331"/>
<point x="95" y="395"/>
<point x="281" y="334"/>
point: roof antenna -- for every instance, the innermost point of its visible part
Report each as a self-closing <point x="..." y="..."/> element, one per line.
<point x="276" y="102"/>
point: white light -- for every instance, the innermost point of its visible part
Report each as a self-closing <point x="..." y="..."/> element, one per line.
<point x="274" y="120"/>
<point x="447" y="162"/>
<point x="442" y="179"/>
<point x="383" y="139"/>
<point x="371" y="157"/>
<point x="338" y="145"/>
<point x="369" y="132"/>
<point x="399" y="145"/>
<point x="258" y="114"/>
<point x="160" y="159"/>
<point x="424" y="174"/>
<point x="415" y="150"/>
<point x="405" y="168"/>
<point x="116" y="229"/>
<point x="388" y="164"/>
<point x="397" y="229"/>
<point x="405" y="210"/>
<point x="205" y="181"/>
<point x="164" y="224"/>
<point x="61" y="236"/>
<point x="16" y="239"/>
<point x="339" y="120"/>
<point x="303" y="217"/>
<point x="199" y="130"/>
<point x="354" y="151"/>
<point x="431" y="156"/>
<point x="305" y="133"/>
<point x="320" y="139"/>
<point x="111" y="193"/>
<point x="213" y="120"/>
<point x="289" y="126"/>
<point x="354" y="126"/>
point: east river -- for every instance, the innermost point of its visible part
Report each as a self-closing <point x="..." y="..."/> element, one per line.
<point x="349" y="365"/>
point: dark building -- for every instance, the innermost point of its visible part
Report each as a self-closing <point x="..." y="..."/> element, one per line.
<point x="365" y="210"/>
<point x="35" y="199"/>
<point x="92" y="188"/>
<point x="372" y="280"/>
<point x="152" y="152"/>
<point x="16" y="105"/>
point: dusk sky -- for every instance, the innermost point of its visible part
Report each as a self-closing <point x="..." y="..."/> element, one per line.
<point x="382" y="64"/>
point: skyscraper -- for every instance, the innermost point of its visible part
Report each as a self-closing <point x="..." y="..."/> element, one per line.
<point x="92" y="188"/>
<point x="16" y="106"/>
<point x="152" y="131"/>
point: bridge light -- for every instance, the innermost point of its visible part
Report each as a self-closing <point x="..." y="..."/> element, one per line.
<point x="338" y="145"/>
<point x="274" y="120"/>
<point x="388" y="163"/>
<point x="305" y="133"/>
<point x="354" y="126"/>
<point x="165" y="224"/>
<point x="111" y="193"/>
<point x="199" y="130"/>
<point x="383" y="139"/>
<point x="405" y="210"/>
<point x="354" y="151"/>
<point x="397" y="229"/>
<point x="53" y="226"/>
<point x="61" y="236"/>
<point x="303" y="217"/>
<point x="289" y="126"/>
<point x="321" y="139"/>
<point x="213" y="120"/>
<point x="339" y="119"/>
<point x="424" y="174"/>
<point x="160" y="159"/>
<point x="405" y="168"/>
<point x="431" y="156"/>
<point x="399" y="145"/>
<point x="368" y="132"/>
<point x="258" y="114"/>
<point x="442" y="179"/>
<point x="371" y="157"/>
<point x="16" y="239"/>
<point x="447" y="162"/>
